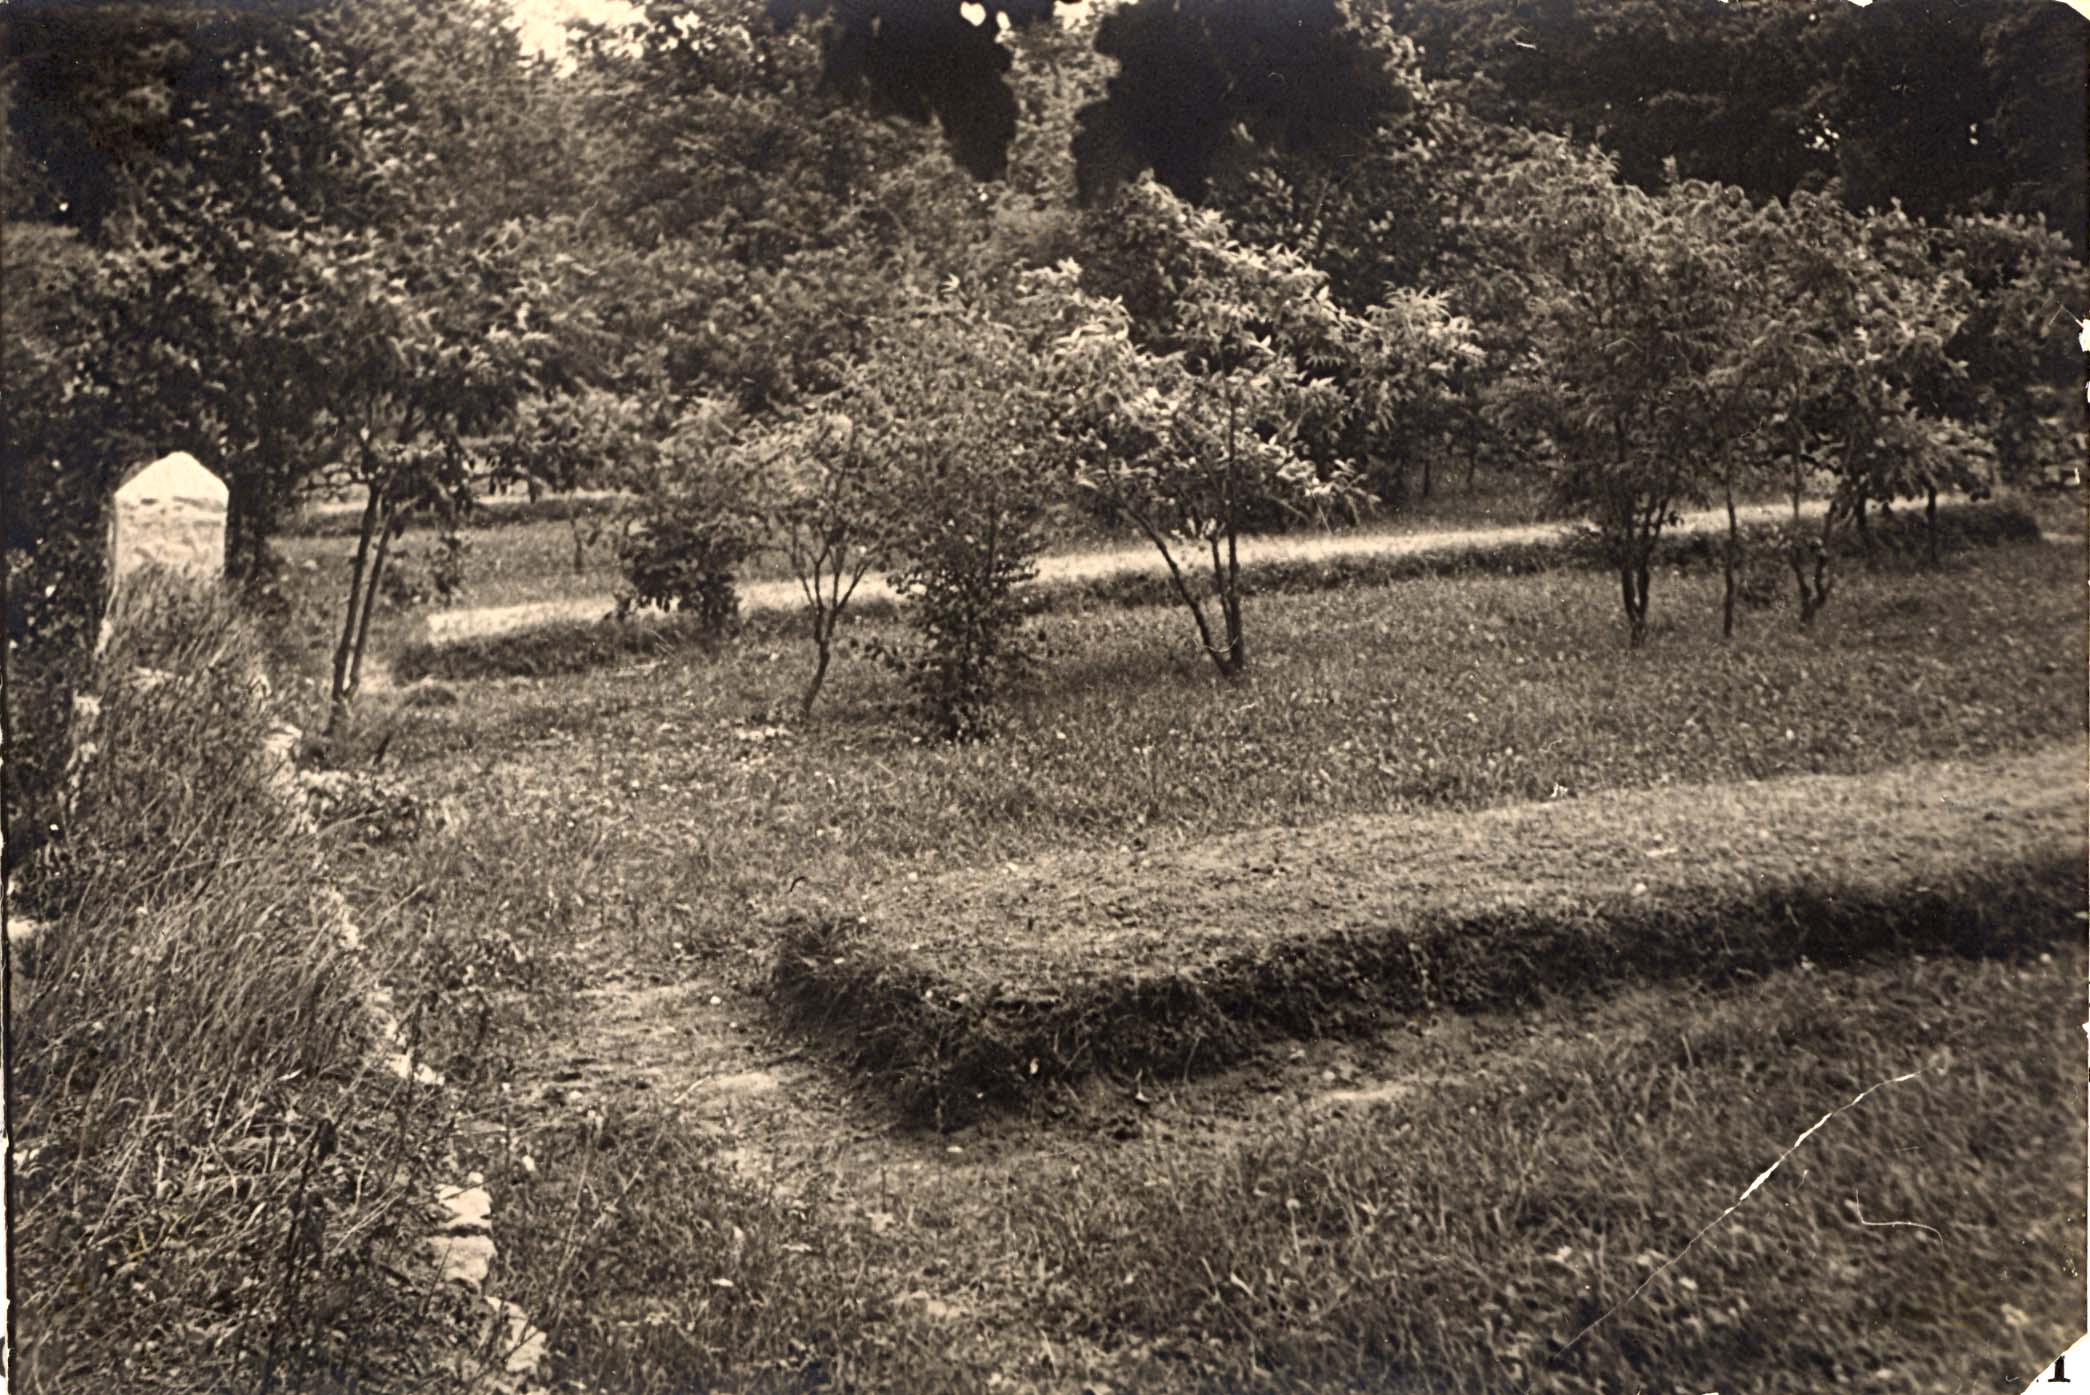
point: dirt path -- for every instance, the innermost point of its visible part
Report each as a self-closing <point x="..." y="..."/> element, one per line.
<point x="785" y="595"/>
<point x="704" y="1053"/>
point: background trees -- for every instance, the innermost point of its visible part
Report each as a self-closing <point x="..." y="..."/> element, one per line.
<point x="966" y="490"/>
<point x="1198" y="420"/>
<point x="1634" y="301"/>
<point x="381" y="244"/>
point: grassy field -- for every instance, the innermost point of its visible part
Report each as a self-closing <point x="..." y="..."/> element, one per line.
<point x="1554" y="1201"/>
<point x="1434" y="694"/>
<point x="692" y="1198"/>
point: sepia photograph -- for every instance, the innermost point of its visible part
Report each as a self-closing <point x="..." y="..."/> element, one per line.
<point x="1045" y="697"/>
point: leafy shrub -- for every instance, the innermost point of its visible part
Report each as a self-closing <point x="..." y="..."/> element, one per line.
<point x="961" y="578"/>
<point x="682" y="556"/>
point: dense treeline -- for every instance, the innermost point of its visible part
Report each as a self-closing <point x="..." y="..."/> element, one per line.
<point x="1210" y="267"/>
<point x="1951" y="107"/>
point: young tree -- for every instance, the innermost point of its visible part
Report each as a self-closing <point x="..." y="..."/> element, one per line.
<point x="1210" y="419"/>
<point x="699" y="519"/>
<point x="828" y="504"/>
<point x="1634" y="307"/>
<point x="433" y="346"/>
<point x="1865" y="375"/>
<point x="2023" y="367"/>
<point x="1418" y="371"/>
<point x="949" y="420"/>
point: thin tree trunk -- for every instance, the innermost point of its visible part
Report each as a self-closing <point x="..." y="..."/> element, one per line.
<point x="1930" y="523"/>
<point x="824" y="618"/>
<point x="1814" y="597"/>
<point x="1234" y="654"/>
<point x="1626" y="595"/>
<point x="1230" y="587"/>
<point x="1175" y="575"/>
<point x="370" y="595"/>
<point x="822" y="648"/>
<point x="1640" y="618"/>
<point x="337" y="700"/>
<point x="250" y="520"/>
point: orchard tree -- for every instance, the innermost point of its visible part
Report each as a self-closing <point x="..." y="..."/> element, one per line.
<point x="1634" y="308"/>
<point x="828" y="502"/>
<point x="699" y="519"/>
<point x="2023" y="368"/>
<point x="1189" y="433"/>
<point x="1417" y="372"/>
<point x="1865" y="375"/>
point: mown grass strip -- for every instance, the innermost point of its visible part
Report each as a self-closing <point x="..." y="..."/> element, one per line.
<point x="560" y="648"/>
<point x="975" y="989"/>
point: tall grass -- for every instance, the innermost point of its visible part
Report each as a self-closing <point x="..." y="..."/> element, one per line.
<point x="215" y="1183"/>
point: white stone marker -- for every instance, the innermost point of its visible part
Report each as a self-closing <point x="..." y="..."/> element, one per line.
<point x="171" y="513"/>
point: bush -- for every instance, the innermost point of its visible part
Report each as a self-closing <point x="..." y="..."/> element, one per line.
<point x="217" y="1184"/>
<point x="682" y="556"/>
<point x="960" y="579"/>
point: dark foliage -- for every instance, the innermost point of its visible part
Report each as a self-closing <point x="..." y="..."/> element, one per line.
<point x="1950" y="107"/>
<point x="923" y="60"/>
<point x="1293" y="73"/>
